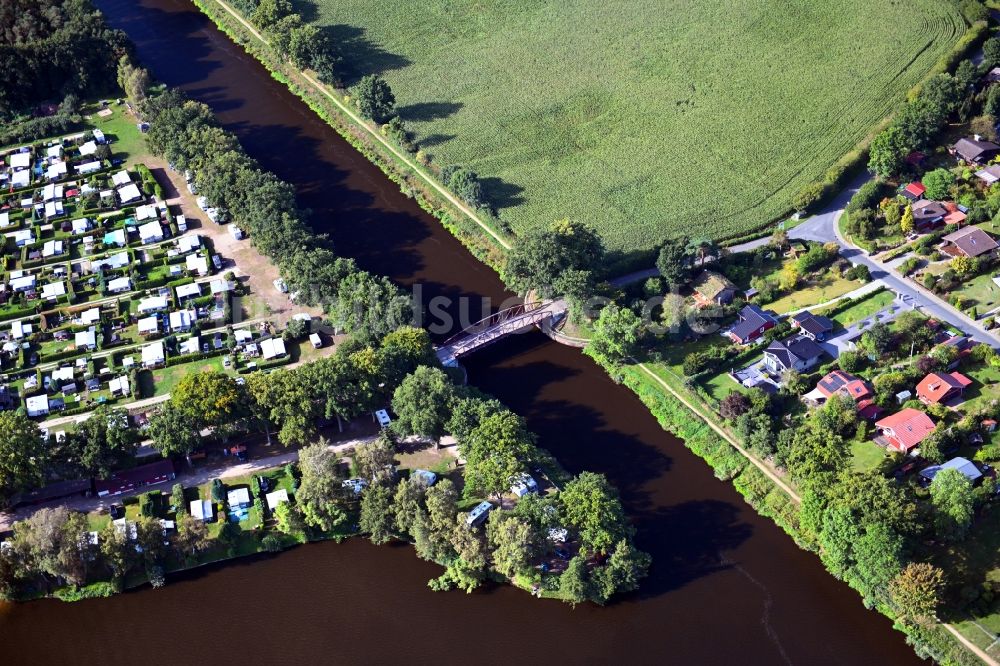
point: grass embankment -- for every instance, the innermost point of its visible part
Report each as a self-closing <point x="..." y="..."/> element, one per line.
<point x="478" y="234"/>
<point x="585" y="106"/>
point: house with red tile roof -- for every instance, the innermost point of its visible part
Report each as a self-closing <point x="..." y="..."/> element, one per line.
<point x="905" y="429"/>
<point x="940" y="387"/>
<point x="844" y="383"/>
<point x="914" y="191"/>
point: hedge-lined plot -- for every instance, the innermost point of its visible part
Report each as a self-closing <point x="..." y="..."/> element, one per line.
<point x="647" y="119"/>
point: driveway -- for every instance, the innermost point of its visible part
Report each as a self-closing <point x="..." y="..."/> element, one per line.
<point x="844" y="340"/>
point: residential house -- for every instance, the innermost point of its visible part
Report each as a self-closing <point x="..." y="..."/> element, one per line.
<point x="186" y="244"/>
<point x="839" y="382"/>
<point x="86" y="339"/>
<point x="797" y="353"/>
<point x="153" y="304"/>
<point x="904" y="430"/>
<point x="969" y="242"/>
<point x="197" y="264"/>
<point x="753" y="321"/>
<point x="116" y="237"/>
<point x="20" y="178"/>
<point x="88" y="167"/>
<point x="990" y="174"/>
<point x="149" y="325"/>
<point x="129" y="193"/>
<point x="238" y="498"/>
<point x="151" y="232"/>
<point x="119" y="386"/>
<point x="201" y="510"/>
<point x="275" y="498"/>
<point x="81" y="225"/>
<point x="88" y="148"/>
<point x="711" y="287"/>
<point x="190" y="346"/>
<point x="153" y="355"/>
<point x="928" y="214"/>
<point x="111" y="262"/>
<point x="939" y="387"/>
<point x="186" y="291"/>
<point x="815" y="327"/>
<point x="91" y="316"/>
<point x="966" y="467"/>
<point x="24" y="237"/>
<point x="147" y="212"/>
<point x="121" y="178"/>
<point x="956" y="213"/>
<point x="272" y="348"/>
<point x="52" y="248"/>
<point x="127" y="480"/>
<point x="56" y="170"/>
<point x="22" y="282"/>
<point x="975" y="150"/>
<point x="37" y="405"/>
<point x="181" y="321"/>
<point x="53" y="290"/>
<point x="19" y="160"/>
<point x="914" y="191"/>
<point x="119" y="285"/>
<point x="54" y="209"/>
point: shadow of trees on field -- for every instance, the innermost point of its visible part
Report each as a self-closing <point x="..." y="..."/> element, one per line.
<point x="426" y="111"/>
<point x="307" y="9"/>
<point x="360" y="56"/>
<point x="501" y="194"/>
<point x="432" y="140"/>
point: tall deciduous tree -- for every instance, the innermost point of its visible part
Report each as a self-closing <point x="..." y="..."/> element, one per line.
<point x="916" y="592"/>
<point x="542" y="255"/>
<point x="320" y="496"/>
<point x="592" y="507"/>
<point x="377" y="517"/>
<point x="422" y="404"/>
<point x="173" y="431"/>
<point x="495" y="452"/>
<point x="888" y="152"/>
<point x="514" y="542"/>
<point x="954" y="504"/>
<point x="104" y="442"/>
<point x="617" y="333"/>
<point x="23" y="454"/>
<point x="374" y="98"/>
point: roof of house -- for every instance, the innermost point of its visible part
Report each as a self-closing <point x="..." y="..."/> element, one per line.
<point x="963" y="465"/>
<point x="272" y="348"/>
<point x="238" y="496"/>
<point x="188" y="290"/>
<point x="752" y="317"/>
<point x="153" y="353"/>
<point x="927" y="208"/>
<point x="710" y="284"/>
<point x="916" y="189"/>
<point x="972" y="241"/>
<point x="936" y="386"/>
<point x="276" y="498"/>
<point x="973" y="149"/>
<point x="797" y="348"/>
<point x="909" y="426"/>
<point x="990" y="174"/>
<point x="810" y="323"/>
<point x="129" y="193"/>
<point x="845" y="383"/>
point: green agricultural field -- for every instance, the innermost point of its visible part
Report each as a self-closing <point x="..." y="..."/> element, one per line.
<point x="645" y="118"/>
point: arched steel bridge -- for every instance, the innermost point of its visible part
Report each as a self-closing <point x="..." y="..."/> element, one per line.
<point x="496" y="326"/>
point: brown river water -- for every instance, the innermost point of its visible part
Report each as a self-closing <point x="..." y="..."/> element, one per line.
<point x="727" y="586"/>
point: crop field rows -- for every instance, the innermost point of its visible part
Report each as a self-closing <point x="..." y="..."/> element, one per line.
<point x="645" y="118"/>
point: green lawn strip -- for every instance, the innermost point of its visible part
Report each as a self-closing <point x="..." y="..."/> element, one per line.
<point x="866" y="455"/>
<point x="865" y="308"/>
<point x="981" y="292"/>
<point x="822" y="289"/>
<point x="165" y="379"/>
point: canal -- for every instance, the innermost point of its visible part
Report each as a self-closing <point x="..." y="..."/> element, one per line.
<point x="727" y="586"/>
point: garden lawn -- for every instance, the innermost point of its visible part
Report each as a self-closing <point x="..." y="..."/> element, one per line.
<point x="981" y="292"/>
<point x="165" y="379"/>
<point x="866" y="455"/>
<point x="985" y="387"/>
<point x="865" y="308"/>
<point x="646" y="119"/>
<point x="128" y="143"/>
<point x="825" y="288"/>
